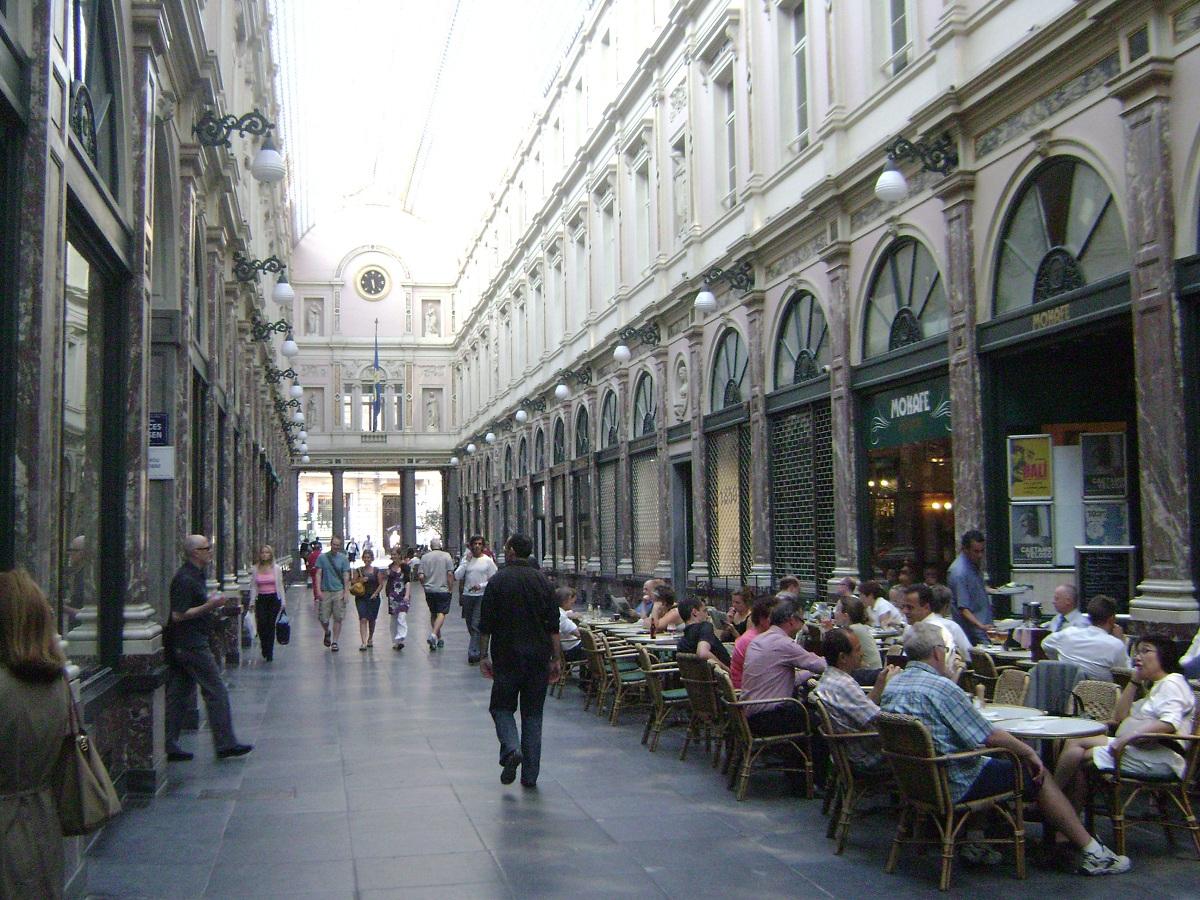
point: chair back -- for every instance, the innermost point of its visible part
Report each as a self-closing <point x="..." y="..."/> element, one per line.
<point x="1095" y="700"/>
<point x="908" y="747"/>
<point x="697" y="677"/>
<point x="727" y="695"/>
<point x="593" y="644"/>
<point x="1011" y="687"/>
<point x="653" y="681"/>
<point x="837" y="748"/>
<point x="983" y="663"/>
<point x="1051" y="683"/>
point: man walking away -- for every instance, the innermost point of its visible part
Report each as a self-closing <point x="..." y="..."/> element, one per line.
<point x="191" y="659"/>
<point x="519" y="642"/>
<point x="475" y="570"/>
<point x="433" y="571"/>
<point x="333" y="576"/>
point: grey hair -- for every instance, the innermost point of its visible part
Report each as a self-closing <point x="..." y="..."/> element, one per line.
<point x="1071" y="590"/>
<point x="922" y="639"/>
<point x="435" y="544"/>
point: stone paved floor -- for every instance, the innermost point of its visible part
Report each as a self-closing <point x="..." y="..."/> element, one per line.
<point x="375" y="775"/>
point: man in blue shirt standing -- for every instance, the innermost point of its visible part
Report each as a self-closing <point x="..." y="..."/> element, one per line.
<point x="972" y="605"/>
<point x="333" y="573"/>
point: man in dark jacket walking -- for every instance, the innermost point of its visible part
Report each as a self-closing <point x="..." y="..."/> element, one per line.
<point x="518" y="625"/>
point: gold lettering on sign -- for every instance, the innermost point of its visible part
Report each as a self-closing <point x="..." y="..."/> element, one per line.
<point x="1050" y="317"/>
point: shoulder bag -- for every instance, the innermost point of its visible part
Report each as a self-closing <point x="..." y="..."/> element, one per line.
<point x="83" y="792"/>
<point x="283" y="628"/>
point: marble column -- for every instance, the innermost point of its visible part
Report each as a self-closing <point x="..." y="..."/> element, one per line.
<point x="698" y="570"/>
<point x="452" y="509"/>
<point x="658" y="368"/>
<point x="1167" y="593"/>
<point x="624" y="489"/>
<point x="836" y="257"/>
<point x="957" y="194"/>
<point x="760" y="475"/>
<point x="408" y="506"/>
<point x="338" y="504"/>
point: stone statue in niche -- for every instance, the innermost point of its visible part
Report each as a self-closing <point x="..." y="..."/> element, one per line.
<point x="682" y="202"/>
<point x="313" y="314"/>
<point x="682" y="389"/>
<point x="313" y="413"/>
<point x="432" y="317"/>
<point x="432" y="422"/>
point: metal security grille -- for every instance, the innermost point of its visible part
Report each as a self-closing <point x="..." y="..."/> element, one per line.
<point x="583" y="519"/>
<point x="608" y="518"/>
<point x="646" y="524"/>
<point x="728" y="498"/>
<point x="558" y="518"/>
<point x="802" y="530"/>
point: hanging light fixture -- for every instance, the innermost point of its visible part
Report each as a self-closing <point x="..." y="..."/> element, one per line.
<point x="621" y="353"/>
<point x="454" y="460"/>
<point x="470" y="448"/>
<point x="304" y="458"/>
<point x="268" y="165"/>
<point x="303" y="435"/>
<point x="892" y="186"/>
<point x="705" y="303"/>
<point x="562" y="392"/>
<point x="304" y="448"/>
<point x="289" y="349"/>
<point x="490" y="438"/>
<point x="296" y="390"/>
<point x="522" y="417"/>
<point x="282" y="292"/>
<point x="298" y="416"/>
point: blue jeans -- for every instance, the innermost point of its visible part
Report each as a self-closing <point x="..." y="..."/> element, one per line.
<point x="470" y="611"/>
<point x="522" y="683"/>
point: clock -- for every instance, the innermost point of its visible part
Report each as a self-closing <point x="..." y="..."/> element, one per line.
<point x="373" y="283"/>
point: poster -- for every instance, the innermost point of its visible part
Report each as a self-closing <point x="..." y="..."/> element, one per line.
<point x="1031" y="534"/>
<point x="1105" y="522"/>
<point x="1103" y="465"/>
<point x="1030" y="473"/>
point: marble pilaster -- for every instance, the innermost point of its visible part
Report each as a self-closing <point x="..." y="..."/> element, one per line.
<point x="337" y="500"/>
<point x="658" y="364"/>
<point x="1167" y="593"/>
<point x="698" y="570"/>
<point x="957" y="194"/>
<point x="760" y="475"/>
<point x="845" y="485"/>
<point x="408" y="505"/>
<point x="624" y="484"/>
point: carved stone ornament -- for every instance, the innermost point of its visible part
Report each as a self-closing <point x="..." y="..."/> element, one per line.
<point x="682" y="390"/>
<point x="1057" y="273"/>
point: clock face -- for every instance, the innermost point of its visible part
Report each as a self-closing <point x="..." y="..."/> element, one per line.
<point x="372" y="283"/>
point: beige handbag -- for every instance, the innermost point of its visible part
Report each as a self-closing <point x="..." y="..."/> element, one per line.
<point x="83" y="792"/>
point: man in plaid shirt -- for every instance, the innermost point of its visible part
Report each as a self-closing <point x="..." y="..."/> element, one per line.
<point x="850" y="708"/>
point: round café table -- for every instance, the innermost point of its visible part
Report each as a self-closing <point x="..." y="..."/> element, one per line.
<point x="1003" y="714"/>
<point x="1053" y="728"/>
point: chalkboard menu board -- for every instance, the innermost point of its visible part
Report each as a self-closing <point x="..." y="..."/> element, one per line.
<point x="1105" y="570"/>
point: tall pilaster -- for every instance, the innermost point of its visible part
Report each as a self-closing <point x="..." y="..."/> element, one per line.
<point x="1167" y="593"/>
<point x="760" y="476"/>
<point x="338" y="504"/>
<point x="698" y="570"/>
<point x="408" y="506"/>
<point x="658" y="363"/>
<point x="624" y="490"/>
<point x="845" y="490"/>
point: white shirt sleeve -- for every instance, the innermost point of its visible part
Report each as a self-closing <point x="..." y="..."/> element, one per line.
<point x="1193" y="651"/>
<point x="461" y="571"/>
<point x="1170" y="701"/>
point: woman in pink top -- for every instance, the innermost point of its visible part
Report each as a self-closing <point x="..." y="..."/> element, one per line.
<point x="760" y="620"/>
<point x="268" y="599"/>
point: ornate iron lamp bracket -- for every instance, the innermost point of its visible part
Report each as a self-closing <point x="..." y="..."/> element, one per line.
<point x="212" y="131"/>
<point x="646" y="334"/>
<point x="936" y="155"/>
<point x="246" y="269"/>
<point x="740" y="275"/>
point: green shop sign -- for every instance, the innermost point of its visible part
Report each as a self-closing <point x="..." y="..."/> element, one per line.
<point x="915" y="412"/>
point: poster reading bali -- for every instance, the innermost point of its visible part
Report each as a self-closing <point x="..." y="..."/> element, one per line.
<point x="1030" y="472"/>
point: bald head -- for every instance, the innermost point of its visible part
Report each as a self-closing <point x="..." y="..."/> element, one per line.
<point x="198" y="549"/>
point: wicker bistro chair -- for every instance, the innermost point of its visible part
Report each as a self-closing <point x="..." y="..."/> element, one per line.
<point x="666" y="703"/>
<point x="706" y="716"/>
<point x="591" y="641"/>
<point x="627" y="680"/>
<point x="851" y="783"/>
<point x="565" y="668"/>
<point x="1011" y="687"/>
<point x="1120" y="790"/>
<point x="749" y="748"/>
<point x="925" y="792"/>
<point x="985" y="671"/>
<point x="1096" y="700"/>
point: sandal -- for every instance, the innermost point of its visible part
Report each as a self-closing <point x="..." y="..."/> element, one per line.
<point x="334" y="647"/>
<point x="362" y="648"/>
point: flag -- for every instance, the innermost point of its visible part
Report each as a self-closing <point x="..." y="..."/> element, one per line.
<point x="377" y="409"/>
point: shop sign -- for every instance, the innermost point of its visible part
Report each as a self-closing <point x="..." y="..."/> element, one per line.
<point x="916" y="412"/>
<point x="160" y="456"/>
<point x="1048" y="318"/>
<point x="1030" y="470"/>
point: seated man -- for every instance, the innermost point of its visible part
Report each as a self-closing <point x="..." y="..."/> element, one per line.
<point x="849" y="708"/>
<point x="924" y="690"/>
<point x="882" y="612"/>
<point x="775" y="666"/>
<point x="568" y="630"/>
<point x="1095" y="646"/>
<point x="760" y="621"/>
<point x="647" y="603"/>
<point x="699" y="636"/>
<point x="790" y="585"/>
<point x="917" y="606"/>
<point x="1066" y="607"/>
<point x="941" y="606"/>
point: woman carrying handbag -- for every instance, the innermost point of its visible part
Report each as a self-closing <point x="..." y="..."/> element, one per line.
<point x="269" y="599"/>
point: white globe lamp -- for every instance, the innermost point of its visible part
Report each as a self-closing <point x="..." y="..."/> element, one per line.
<point x="562" y="392"/>
<point x="621" y="353"/>
<point x="470" y="448"/>
<point x="304" y="448"/>
<point x="454" y="460"/>
<point x="706" y="302"/>
<point x="303" y="435"/>
<point x="296" y="390"/>
<point x="289" y="349"/>
<point x="298" y="418"/>
<point x="490" y="438"/>
<point x="283" y="293"/>
<point x="522" y="417"/>
<point x="304" y="458"/>
<point x="268" y="165"/>
<point x="891" y="186"/>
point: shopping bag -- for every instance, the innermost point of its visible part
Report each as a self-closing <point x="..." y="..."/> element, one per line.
<point x="283" y="628"/>
<point x="247" y="631"/>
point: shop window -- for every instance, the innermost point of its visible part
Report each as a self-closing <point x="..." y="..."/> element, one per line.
<point x="802" y="347"/>
<point x="559" y="451"/>
<point x="644" y="516"/>
<point x="802" y="499"/>
<point x="608" y="421"/>
<point x="728" y="387"/>
<point x="607" y="518"/>
<point x="523" y="458"/>
<point x="583" y="427"/>
<point x="94" y="100"/>
<point x="645" y="414"/>
<point x="582" y="495"/>
<point x="1064" y="232"/>
<point x="539" y="451"/>
<point x="907" y="301"/>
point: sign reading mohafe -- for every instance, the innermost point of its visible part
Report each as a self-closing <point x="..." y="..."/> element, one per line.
<point x="915" y="412"/>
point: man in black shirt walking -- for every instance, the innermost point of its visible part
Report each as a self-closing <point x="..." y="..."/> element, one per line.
<point x="518" y="624"/>
<point x="191" y="658"/>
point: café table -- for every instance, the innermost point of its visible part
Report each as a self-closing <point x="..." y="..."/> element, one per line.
<point x="1010" y="657"/>
<point x="1054" y="728"/>
<point x="1002" y="713"/>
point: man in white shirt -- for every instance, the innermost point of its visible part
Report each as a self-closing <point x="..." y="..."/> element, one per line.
<point x="941" y="604"/>
<point x="1066" y="608"/>
<point x="1097" y="648"/>
<point x="475" y="570"/>
<point x="917" y="606"/>
<point x="880" y="609"/>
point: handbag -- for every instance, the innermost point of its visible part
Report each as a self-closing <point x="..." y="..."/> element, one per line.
<point x="283" y="628"/>
<point x="358" y="588"/>
<point x="83" y="792"/>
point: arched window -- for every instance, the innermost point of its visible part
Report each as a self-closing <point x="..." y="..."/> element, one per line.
<point x="539" y="450"/>
<point x="95" y="100"/>
<point x="609" y="434"/>
<point x="508" y="464"/>
<point x="907" y="302"/>
<point x="523" y="458"/>
<point x="802" y="346"/>
<point x="1064" y="232"/>
<point x="645" y="413"/>
<point x="583" y="427"/>
<point x="559" y="451"/>
<point x="728" y="387"/>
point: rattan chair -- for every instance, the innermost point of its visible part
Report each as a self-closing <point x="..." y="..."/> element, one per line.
<point x="924" y="784"/>
<point x="626" y="679"/>
<point x="851" y="783"/>
<point x="1120" y="790"/>
<point x="565" y="668"/>
<point x="749" y="749"/>
<point x="1096" y="700"/>
<point x="597" y="690"/>
<point x="706" y="717"/>
<point x="1011" y="687"/>
<point x="985" y="671"/>
<point x="668" y="705"/>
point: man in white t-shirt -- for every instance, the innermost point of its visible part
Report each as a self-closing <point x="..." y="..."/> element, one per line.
<point x="917" y="606"/>
<point x="475" y="570"/>
<point x="941" y="605"/>
<point x="432" y="570"/>
<point x="1097" y="648"/>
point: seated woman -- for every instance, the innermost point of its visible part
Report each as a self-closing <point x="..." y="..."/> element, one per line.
<point x="568" y="630"/>
<point x="663" y="614"/>
<point x="852" y="613"/>
<point x="738" y="617"/>
<point x="1166" y="709"/>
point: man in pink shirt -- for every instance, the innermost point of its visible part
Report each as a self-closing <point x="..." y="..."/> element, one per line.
<point x="760" y="621"/>
<point x="775" y="666"/>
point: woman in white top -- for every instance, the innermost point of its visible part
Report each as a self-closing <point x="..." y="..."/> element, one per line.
<point x="568" y="630"/>
<point x="1166" y="709"/>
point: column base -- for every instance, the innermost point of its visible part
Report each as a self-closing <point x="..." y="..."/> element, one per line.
<point x="761" y="578"/>
<point x="698" y="571"/>
<point x="592" y="566"/>
<point x="662" y="569"/>
<point x="625" y="567"/>
<point x="1167" y="601"/>
<point x="568" y="564"/>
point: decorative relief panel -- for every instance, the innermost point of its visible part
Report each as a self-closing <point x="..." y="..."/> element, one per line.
<point x="792" y="261"/>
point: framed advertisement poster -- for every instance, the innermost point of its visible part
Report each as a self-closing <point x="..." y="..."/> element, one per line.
<point x="1105" y="522"/>
<point x="1103" y="465"/>
<point x="1030" y="467"/>
<point x="1031" y="534"/>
